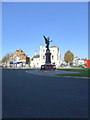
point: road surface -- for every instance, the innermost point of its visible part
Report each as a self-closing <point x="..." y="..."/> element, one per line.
<point x="31" y="96"/>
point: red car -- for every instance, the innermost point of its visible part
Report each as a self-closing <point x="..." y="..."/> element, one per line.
<point x="48" y="67"/>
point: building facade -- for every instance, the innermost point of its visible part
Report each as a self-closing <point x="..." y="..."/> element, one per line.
<point x="19" y="58"/>
<point x="79" y="61"/>
<point x="35" y="61"/>
<point x="39" y="59"/>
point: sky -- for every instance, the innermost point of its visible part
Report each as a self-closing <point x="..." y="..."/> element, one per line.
<point x="25" y="23"/>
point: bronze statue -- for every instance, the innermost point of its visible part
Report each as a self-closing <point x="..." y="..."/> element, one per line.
<point x="47" y="41"/>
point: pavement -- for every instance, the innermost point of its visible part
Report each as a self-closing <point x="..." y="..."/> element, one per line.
<point x="54" y="73"/>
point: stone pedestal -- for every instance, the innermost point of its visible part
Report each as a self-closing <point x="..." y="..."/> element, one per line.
<point x="48" y="57"/>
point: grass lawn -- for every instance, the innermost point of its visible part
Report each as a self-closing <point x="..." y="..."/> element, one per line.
<point x="82" y="72"/>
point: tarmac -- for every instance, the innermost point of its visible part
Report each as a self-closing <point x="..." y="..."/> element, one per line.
<point x="54" y="73"/>
<point x="50" y="73"/>
<point x="31" y="96"/>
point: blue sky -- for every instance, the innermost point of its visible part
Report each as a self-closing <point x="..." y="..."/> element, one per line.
<point x="24" y="25"/>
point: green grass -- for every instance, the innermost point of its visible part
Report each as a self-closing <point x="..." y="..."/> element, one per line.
<point x="82" y="72"/>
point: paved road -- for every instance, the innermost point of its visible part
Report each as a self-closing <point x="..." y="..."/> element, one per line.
<point x="32" y="96"/>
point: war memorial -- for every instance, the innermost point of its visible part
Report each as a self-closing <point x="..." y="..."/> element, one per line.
<point x="47" y="65"/>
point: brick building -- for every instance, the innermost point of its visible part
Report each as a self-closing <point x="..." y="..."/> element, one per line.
<point x="19" y="58"/>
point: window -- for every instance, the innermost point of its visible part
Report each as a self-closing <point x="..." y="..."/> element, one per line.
<point x="43" y="57"/>
<point x="52" y="57"/>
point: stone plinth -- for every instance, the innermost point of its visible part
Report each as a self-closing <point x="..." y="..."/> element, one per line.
<point x="48" y="57"/>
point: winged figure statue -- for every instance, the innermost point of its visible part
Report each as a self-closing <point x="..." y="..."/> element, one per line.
<point x="47" y="41"/>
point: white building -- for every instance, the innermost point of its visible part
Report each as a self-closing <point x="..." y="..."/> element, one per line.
<point x="79" y="61"/>
<point x="39" y="60"/>
<point x="35" y="61"/>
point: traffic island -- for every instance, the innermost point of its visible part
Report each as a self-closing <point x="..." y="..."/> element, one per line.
<point x="81" y="73"/>
<point x="61" y="73"/>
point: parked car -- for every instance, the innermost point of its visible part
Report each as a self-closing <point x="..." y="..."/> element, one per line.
<point x="64" y="66"/>
<point x="4" y="66"/>
<point x="83" y="66"/>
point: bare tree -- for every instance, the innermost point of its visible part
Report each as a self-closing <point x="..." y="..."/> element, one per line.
<point x="6" y="58"/>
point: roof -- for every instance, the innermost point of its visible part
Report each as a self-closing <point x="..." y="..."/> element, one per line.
<point x="55" y="47"/>
<point x="36" y="56"/>
<point x="19" y="52"/>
